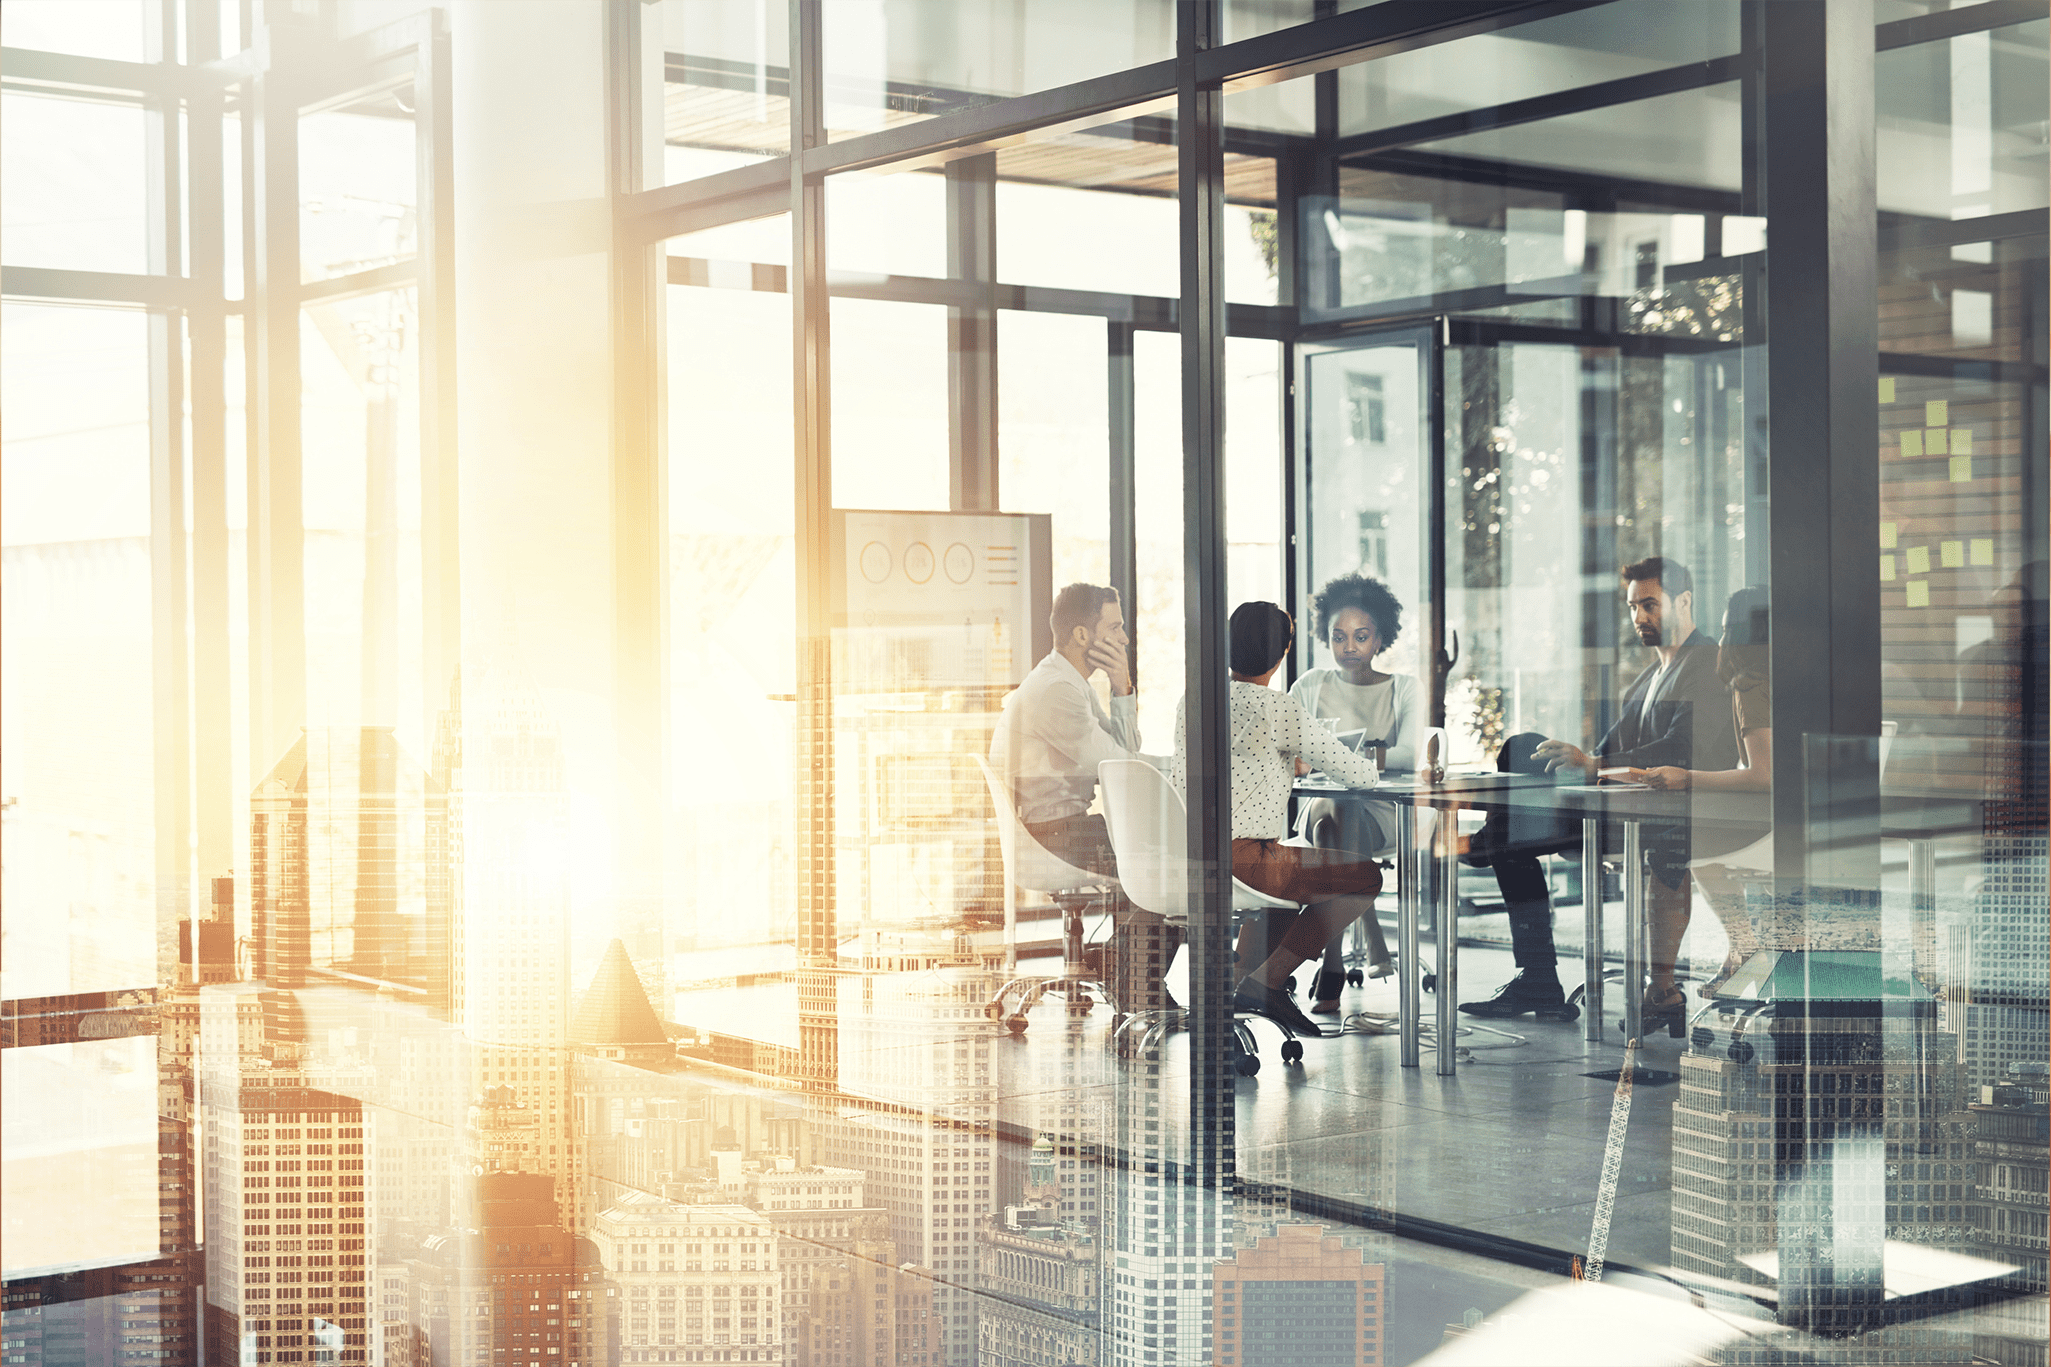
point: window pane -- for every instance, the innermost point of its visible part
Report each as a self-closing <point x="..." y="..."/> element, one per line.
<point x="117" y="29"/>
<point x="725" y="89"/>
<point x="75" y="195"/>
<point x="1961" y="124"/>
<point x="356" y="188"/>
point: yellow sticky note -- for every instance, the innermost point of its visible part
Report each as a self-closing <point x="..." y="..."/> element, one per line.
<point x="1886" y="567"/>
<point x="1937" y="413"/>
<point x="1887" y="389"/>
<point x="1983" y="550"/>
<point x="1919" y="560"/>
<point x="1912" y="442"/>
<point x="1919" y="594"/>
<point x="1889" y="533"/>
<point x="1961" y="441"/>
<point x="1934" y="443"/>
<point x="1961" y="469"/>
<point x="1952" y="554"/>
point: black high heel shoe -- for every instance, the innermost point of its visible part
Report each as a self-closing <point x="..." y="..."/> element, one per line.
<point x="1671" y="1013"/>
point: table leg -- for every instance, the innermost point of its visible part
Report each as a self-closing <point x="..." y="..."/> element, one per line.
<point x="1634" y="932"/>
<point x="1449" y="940"/>
<point x="1408" y="971"/>
<point x="1591" y="931"/>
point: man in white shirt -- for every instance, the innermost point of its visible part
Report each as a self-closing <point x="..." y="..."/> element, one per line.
<point x="1053" y="734"/>
<point x="1054" y="731"/>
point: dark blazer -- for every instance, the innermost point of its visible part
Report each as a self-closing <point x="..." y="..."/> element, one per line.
<point x="1690" y="725"/>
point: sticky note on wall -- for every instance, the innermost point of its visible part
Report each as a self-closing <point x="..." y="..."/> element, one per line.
<point x="1934" y="443"/>
<point x="1952" y="554"/>
<point x="1961" y="469"/>
<point x="1983" y="550"/>
<point x="1961" y="441"/>
<point x="1937" y="413"/>
<point x="1889" y="532"/>
<point x="1887" y="389"/>
<point x="1919" y="594"/>
<point x="1886" y="568"/>
<point x="1912" y="443"/>
<point x="1919" y="559"/>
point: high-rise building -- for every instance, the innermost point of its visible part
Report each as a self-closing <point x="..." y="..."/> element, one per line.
<point x="2011" y="1192"/>
<point x="1042" y="1282"/>
<point x="696" y="1283"/>
<point x="1300" y="1297"/>
<point x="284" y="1145"/>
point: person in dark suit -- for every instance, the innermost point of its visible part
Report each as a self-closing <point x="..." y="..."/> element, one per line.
<point x="1676" y="712"/>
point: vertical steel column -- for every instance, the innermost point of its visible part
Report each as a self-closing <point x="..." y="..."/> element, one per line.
<point x="1818" y="172"/>
<point x="1634" y="932"/>
<point x="1120" y="410"/>
<point x="1200" y="110"/>
<point x="1409" y="972"/>
<point x="1437" y="521"/>
<point x="206" y="323"/>
<point x="1447" y="850"/>
<point x="171" y="688"/>
<point x="277" y="591"/>
<point x="640" y="493"/>
<point x="435" y="300"/>
<point x="1591" y="930"/>
<point x="972" y="335"/>
<point x="814" y="496"/>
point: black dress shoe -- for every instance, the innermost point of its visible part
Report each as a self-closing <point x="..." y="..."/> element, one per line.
<point x="1540" y="995"/>
<point x="1672" y="1014"/>
<point x="1277" y="1005"/>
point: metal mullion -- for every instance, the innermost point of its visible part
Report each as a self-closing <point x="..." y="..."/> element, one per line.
<point x="1602" y="94"/>
<point x="77" y="77"/>
<point x="377" y="279"/>
<point x="972" y="336"/>
<point x="1200" y="117"/>
<point x="1373" y="31"/>
<point x="734" y="196"/>
<point x="170" y="656"/>
<point x="639" y="510"/>
<point x="1823" y="481"/>
<point x="207" y="329"/>
<point x="1955" y="23"/>
<point x="1521" y="176"/>
<point x="1121" y="410"/>
<point x="277" y="624"/>
<point x="94" y="287"/>
<point x="435" y="305"/>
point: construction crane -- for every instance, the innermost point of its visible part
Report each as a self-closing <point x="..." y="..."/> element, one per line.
<point x="1612" y="1167"/>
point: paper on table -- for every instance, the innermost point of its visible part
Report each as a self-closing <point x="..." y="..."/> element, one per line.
<point x="1952" y="554"/>
<point x="1919" y="593"/>
<point x="1912" y="442"/>
<point x="1983" y="550"/>
<point x="1937" y="413"/>
<point x="1919" y="560"/>
<point x="1961" y="469"/>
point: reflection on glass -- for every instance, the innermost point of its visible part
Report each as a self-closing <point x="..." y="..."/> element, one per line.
<point x="725" y="88"/>
<point x="357" y="187"/>
<point x="75" y="181"/>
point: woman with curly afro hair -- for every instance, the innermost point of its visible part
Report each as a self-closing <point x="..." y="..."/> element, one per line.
<point x="1381" y="715"/>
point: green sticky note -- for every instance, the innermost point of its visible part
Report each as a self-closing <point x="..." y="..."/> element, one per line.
<point x="1886" y="568"/>
<point x="1983" y="550"/>
<point x="1934" y="443"/>
<point x="1912" y="442"/>
<point x="1919" y="594"/>
<point x="1961" y="469"/>
<point x="1887" y="389"/>
<point x="1919" y="560"/>
<point x="1937" y="413"/>
<point x="1961" y="441"/>
<point x="1889" y="532"/>
<point x="1952" y="554"/>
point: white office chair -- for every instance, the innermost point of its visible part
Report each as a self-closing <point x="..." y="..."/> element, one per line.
<point x="1150" y="833"/>
<point x="1031" y="865"/>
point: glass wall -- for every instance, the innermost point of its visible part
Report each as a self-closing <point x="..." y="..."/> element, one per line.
<point x="1123" y="714"/>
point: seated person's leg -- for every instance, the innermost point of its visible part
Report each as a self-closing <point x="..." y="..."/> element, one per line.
<point x="1536" y="987"/>
<point x="1725" y="894"/>
<point x="1350" y="826"/>
<point x="1337" y="886"/>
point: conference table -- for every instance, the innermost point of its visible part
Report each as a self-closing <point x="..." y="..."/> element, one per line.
<point x="1921" y="818"/>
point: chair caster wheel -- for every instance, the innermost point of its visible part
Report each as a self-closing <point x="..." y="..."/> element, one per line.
<point x="1246" y="1065"/>
<point x="1355" y="977"/>
<point x="1431" y="982"/>
<point x="1015" y="1024"/>
<point x="1292" y="1051"/>
<point x="993" y="1011"/>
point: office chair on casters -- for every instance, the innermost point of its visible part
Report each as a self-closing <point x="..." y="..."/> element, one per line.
<point x="1150" y="833"/>
<point x="1031" y="865"/>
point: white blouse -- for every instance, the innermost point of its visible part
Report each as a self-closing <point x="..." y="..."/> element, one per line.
<point x="1270" y="731"/>
<point x="1391" y="711"/>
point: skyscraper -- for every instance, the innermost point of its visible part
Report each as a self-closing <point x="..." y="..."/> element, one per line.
<point x="1300" y="1296"/>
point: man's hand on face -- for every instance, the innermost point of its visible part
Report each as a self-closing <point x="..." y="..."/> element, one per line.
<point x="1559" y="754"/>
<point x="1111" y="659"/>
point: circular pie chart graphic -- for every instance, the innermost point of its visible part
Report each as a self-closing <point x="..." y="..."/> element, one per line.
<point x="875" y="562"/>
<point x="959" y="562"/>
<point x="918" y="562"/>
